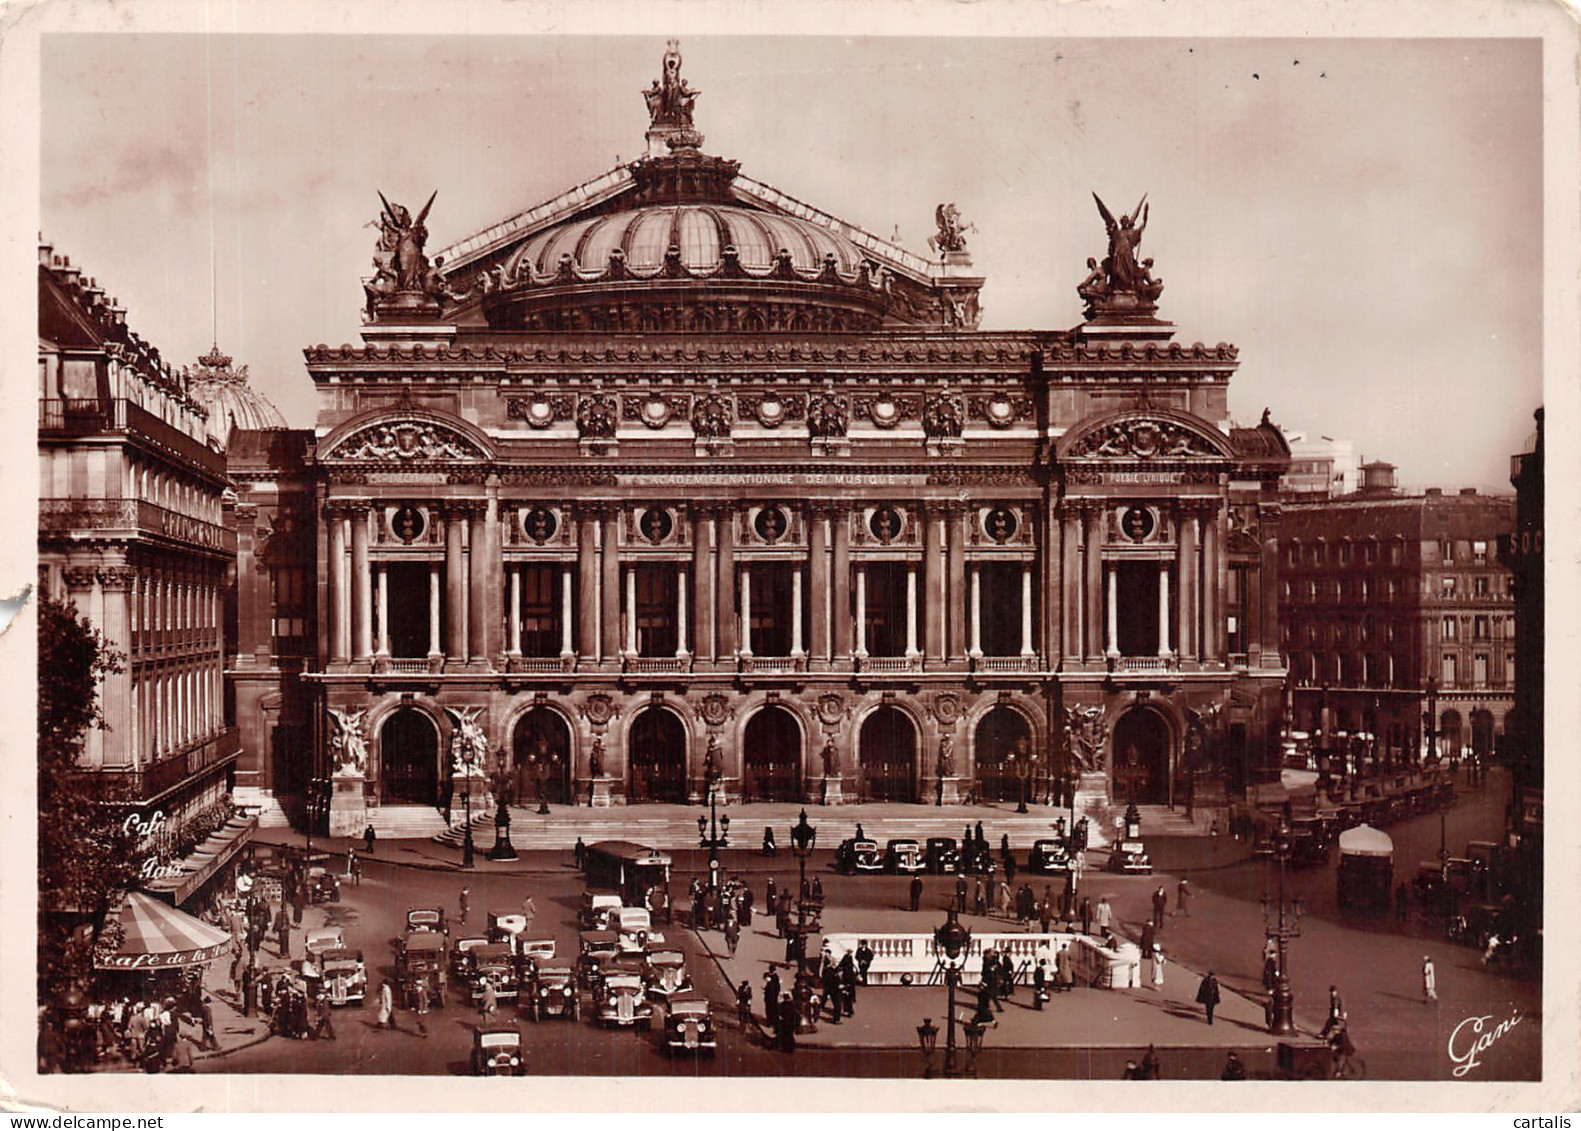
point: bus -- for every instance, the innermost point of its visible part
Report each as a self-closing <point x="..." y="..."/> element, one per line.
<point x="629" y="868"/>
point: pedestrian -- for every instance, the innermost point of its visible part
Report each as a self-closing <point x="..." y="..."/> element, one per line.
<point x="1004" y="846"/>
<point x="817" y="890"/>
<point x="282" y="925"/>
<point x="1105" y="914"/>
<point x="1208" y="994"/>
<point x="985" y="1002"/>
<point x="960" y="895"/>
<point x="1086" y="915"/>
<point x="1233" y="1068"/>
<point x="1148" y="939"/>
<point x="1133" y="1071"/>
<point x="848" y="979"/>
<point x="832" y="991"/>
<point x="771" y="999"/>
<point x="529" y="913"/>
<point x="864" y="959"/>
<point x="298" y="892"/>
<point x="916" y="892"/>
<point x="1004" y="899"/>
<point x="1336" y="1012"/>
<point x="1160" y="906"/>
<point x="367" y="840"/>
<point x="1151" y="1069"/>
<point x="1007" y="975"/>
<point x="788" y="1020"/>
<point x="1429" y="980"/>
<point x="326" y="1024"/>
<point x="180" y="1053"/>
<point x="979" y="898"/>
<point x="579" y="853"/>
<point x="771" y="896"/>
<point x="1040" y="980"/>
<point x="464" y="903"/>
<point x="1270" y="972"/>
<point x="1183" y="894"/>
<point x="206" y="1015"/>
<point x="732" y="935"/>
<point x="1064" y="970"/>
<point x="488" y="1003"/>
<point x="1158" y="968"/>
<point x="1045" y="915"/>
<point x="386" y="1006"/>
<point x="420" y="989"/>
<point x="1010" y="868"/>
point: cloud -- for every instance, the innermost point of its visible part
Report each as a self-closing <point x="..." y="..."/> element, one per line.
<point x="168" y="170"/>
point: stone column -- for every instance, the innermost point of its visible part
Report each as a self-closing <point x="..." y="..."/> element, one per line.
<point x="382" y="581"/>
<point x="362" y="598"/>
<point x="933" y="584"/>
<point x="703" y="570"/>
<point x="588" y="578"/>
<point x="818" y="563"/>
<point x="955" y="579"/>
<point x="434" y="646"/>
<point x="911" y="611"/>
<point x="1163" y="608"/>
<point x="609" y="585"/>
<point x="1268" y="530"/>
<point x="1026" y="610"/>
<point x="861" y="610"/>
<point x="340" y="595"/>
<point x="1070" y="583"/>
<point x="479" y="630"/>
<point x="1186" y="568"/>
<point x="796" y="634"/>
<point x="566" y="614"/>
<point x="1112" y="636"/>
<point x="455" y="586"/>
<point x="516" y="611"/>
<point x="1221" y="601"/>
<point x="976" y="650"/>
<point x="725" y="586"/>
<point x="680" y="612"/>
<point x="493" y="590"/>
<point x="631" y="610"/>
<point x="746" y="610"/>
<point x="840" y="569"/>
<point x="1092" y="547"/>
<point x="1212" y="610"/>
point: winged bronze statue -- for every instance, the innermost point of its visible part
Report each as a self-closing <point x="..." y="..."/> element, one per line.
<point x="1125" y="235"/>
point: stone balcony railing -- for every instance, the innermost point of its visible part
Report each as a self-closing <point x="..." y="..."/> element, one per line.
<point x="135" y="516"/>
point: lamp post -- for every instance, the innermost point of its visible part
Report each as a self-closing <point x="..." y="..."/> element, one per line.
<point x="1325" y="769"/>
<point x="1432" y="720"/>
<point x="1282" y="926"/>
<point x="928" y="1038"/>
<point x="541" y="773"/>
<point x="1022" y="767"/>
<point x="503" y="849"/>
<point x="713" y="834"/>
<point x="802" y="837"/>
<point x="952" y="943"/>
<point x="466" y="834"/>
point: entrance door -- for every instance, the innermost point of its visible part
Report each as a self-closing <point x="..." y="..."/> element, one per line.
<point x="1002" y="733"/>
<point x="1141" y="758"/>
<point x="409" y="759"/>
<point x="888" y="755"/>
<point x="541" y="740"/>
<point x="408" y="604"/>
<point x="658" y="757"/>
<point x="773" y="757"/>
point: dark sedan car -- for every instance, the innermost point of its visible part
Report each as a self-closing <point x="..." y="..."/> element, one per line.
<point x="941" y="855"/>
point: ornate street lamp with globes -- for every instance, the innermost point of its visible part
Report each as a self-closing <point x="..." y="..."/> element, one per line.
<point x="953" y="943"/>
<point x="1282" y="924"/>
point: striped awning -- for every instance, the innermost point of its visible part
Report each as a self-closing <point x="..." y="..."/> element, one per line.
<point x="156" y="936"/>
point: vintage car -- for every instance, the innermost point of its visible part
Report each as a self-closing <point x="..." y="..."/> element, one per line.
<point x="498" y="1052"/>
<point x="598" y="907"/>
<point x="621" y="1000"/>
<point x="941" y="856"/>
<point x="664" y="971"/>
<point x="426" y="919"/>
<point x="598" y="950"/>
<point x="858" y="856"/>
<point x="461" y="956"/>
<point x="322" y="939"/>
<point x="504" y="926"/>
<point x="537" y="951"/>
<point x="689" y="1027"/>
<point x="345" y="976"/>
<point x="1130" y="856"/>
<point x="1047" y="857"/>
<point x="551" y="992"/>
<point x="493" y="965"/>
<point x="903" y="857"/>
<point x="323" y="886"/>
<point x="1309" y="846"/>
<point x="635" y="927"/>
<point x="977" y="859"/>
<point x="419" y="957"/>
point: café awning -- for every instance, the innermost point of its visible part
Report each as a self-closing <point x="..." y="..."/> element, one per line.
<point x="156" y="936"/>
<point x="188" y="875"/>
<point x="1364" y="840"/>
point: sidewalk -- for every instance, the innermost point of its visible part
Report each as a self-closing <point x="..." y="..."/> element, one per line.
<point x="888" y="1016"/>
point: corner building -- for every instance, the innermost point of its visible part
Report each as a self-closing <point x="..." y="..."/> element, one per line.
<point x="677" y="477"/>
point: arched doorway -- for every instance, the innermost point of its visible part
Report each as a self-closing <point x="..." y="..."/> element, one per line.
<point x="409" y="759"/>
<point x="1449" y="737"/>
<point x="888" y="756"/>
<point x="771" y="767"/>
<point x="541" y="737"/>
<point x="1482" y="733"/>
<point x="1141" y="758"/>
<point x="1001" y="733"/>
<point x="658" y="757"/>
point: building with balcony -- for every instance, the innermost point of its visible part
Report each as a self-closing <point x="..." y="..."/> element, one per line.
<point x="1320" y="468"/>
<point x="131" y="530"/>
<point x="675" y="479"/>
<point x="1383" y="592"/>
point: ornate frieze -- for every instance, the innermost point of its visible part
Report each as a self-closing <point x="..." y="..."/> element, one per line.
<point x="770" y="409"/>
<point x="596" y="416"/>
<point x="542" y="410"/>
<point x="1141" y="439"/>
<point x="654" y="409"/>
<point x="943" y="415"/>
<point x="712" y="417"/>
<point x="999" y="410"/>
<point x="886" y="410"/>
<point x="828" y="416"/>
<point x="404" y="442"/>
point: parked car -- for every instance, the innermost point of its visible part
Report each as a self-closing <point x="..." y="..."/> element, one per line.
<point x="665" y="973"/>
<point x="689" y="1026"/>
<point x="621" y="1000"/>
<point x="418" y="958"/>
<point x="597" y="909"/>
<point x="461" y="957"/>
<point x="598" y="949"/>
<point x="1047" y="857"/>
<point x="635" y="927"/>
<point x="903" y="857"/>
<point x="552" y="992"/>
<point x="321" y="939"/>
<point x="323" y="886"/>
<point x="498" y="1052"/>
<point x="536" y="950"/>
<point x="941" y="856"/>
<point x="1130" y="856"/>
<point x="426" y="919"/>
<point x="345" y="976"/>
<point x="858" y="856"/>
<point x="504" y="926"/>
<point x="494" y="965"/>
<point x="977" y="859"/>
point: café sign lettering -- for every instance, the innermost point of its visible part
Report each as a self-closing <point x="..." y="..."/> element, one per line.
<point x="144" y="828"/>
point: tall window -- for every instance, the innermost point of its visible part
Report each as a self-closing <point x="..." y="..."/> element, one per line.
<point x="771" y="609"/>
<point x="1449" y="670"/>
<point x="1447" y="586"/>
<point x="289" y="624"/>
<point x="1449" y="629"/>
<point x="1479" y="553"/>
<point x="1001" y="608"/>
<point x="540" y="611"/>
<point x="1479" y="628"/>
<point x="886" y="608"/>
<point x="1479" y="586"/>
<point x="1479" y="670"/>
<point x="657" y="631"/>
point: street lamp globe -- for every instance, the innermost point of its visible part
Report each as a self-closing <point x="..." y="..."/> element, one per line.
<point x="953" y="940"/>
<point x="802" y="835"/>
<point x="702" y="826"/>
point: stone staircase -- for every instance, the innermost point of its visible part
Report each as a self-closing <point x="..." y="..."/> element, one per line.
<point x="406" y="822"/>
<point x="673" y="827"/>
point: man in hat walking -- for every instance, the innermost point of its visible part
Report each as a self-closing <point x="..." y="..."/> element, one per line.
<point x="1429" y="980"/>
<point x="1208" y="994"/>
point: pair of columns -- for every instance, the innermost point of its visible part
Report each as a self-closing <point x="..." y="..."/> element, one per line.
<point x="514" y="629"/>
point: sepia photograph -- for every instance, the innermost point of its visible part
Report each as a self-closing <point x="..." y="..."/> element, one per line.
<point x="738" y="554"/>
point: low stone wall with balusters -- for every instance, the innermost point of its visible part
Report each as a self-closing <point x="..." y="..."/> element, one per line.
<point x="896" y="955"/>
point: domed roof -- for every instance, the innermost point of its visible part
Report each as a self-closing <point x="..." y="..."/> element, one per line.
<point x="229" y="400"/>
<point x="700" y="232"/>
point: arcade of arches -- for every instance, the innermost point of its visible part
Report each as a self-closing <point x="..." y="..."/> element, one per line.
<point x="541" y="757"/>
<point x="1142" y="762"/>
<point x="658" y="757"/>
<point x="887" y="755"/>
<point x="771" y="757"/>
<point x="1004" y="740"/>
<point x="409" y="759"/>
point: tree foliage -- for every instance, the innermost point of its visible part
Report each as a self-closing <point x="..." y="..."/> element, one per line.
<point x="87" y="855"/>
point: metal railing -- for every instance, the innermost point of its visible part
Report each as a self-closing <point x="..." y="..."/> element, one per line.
<point x="1006" y="663"/>
<point x="1145" y="664"/>
<point x="62" y="516"/>
<point x="655" y="665"/>
<point x="59" y="418"/>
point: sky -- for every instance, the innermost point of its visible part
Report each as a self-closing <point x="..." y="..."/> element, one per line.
<point x="1363" y="218"/>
